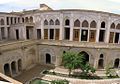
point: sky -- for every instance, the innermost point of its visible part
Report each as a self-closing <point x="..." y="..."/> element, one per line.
<point x="112" y="6"/>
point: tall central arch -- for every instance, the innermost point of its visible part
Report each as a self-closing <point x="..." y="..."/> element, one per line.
<point x="86" y="56"/>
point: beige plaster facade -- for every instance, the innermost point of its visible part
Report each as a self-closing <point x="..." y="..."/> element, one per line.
<point x="41" y="36"/>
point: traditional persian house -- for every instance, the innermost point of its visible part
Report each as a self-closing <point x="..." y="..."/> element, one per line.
<point x="41" y="36"/>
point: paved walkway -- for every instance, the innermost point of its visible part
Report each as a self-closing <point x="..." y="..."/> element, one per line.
<point x="33" y="72"/>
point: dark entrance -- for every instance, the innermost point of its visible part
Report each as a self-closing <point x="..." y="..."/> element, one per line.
<point x="17" y="34"/>
<point x="48" y="59"/>
<point x="38" y="33"/>
<point x="27" y="34"/>
<point x="116" y="63"/>
<point x="101" y="35"/>
<point x="100" y="64"/>
<point x="51" y="33"/>
<point x="86" y="56"/>
<point x="7" y="70"/>
<point x="84" y="35"/>
<point x="67" y="33"/>
<point x="13" y="67"/>
<point x="116" y="37"/>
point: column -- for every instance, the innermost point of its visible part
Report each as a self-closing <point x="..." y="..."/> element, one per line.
<point x="23" y="33"/>
<point x="10" y="70"/>
<point x="98" y="30"/>
<point x="42" y="27"/>
<point x="61" y="36"/>
<point x="16" y="67"/>
<point x="71" y="27"/>
<point x="6" y="33"/>
<point x="0" y="34"/>
<point x="107" y="31"/>
<point x="119" y="39"/>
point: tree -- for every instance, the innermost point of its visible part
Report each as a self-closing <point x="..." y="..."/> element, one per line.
<point x="68" y="61"/>
<point x="73" y="61"/>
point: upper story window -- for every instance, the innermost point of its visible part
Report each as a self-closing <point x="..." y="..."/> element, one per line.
<point x="118" y="26"/>
<point x="51" y="22"/>
<point x="15" y="19"/>
<point x="45" y="22"/>
<point x="18" y="20"/>
<point x="31" y="19"/>
<point x="103" y="25"/>
<point x="93" y="24"/>
<point x="67" y="22"/>
<point x="85" y="23"/>
<point x="57" y="22"/>
<point x="7" y="20"/>
<point x="26" y="19"/>
<point x="77" y="23"/>
<point x="112" y="26"/>
<point x="2" y="22"/>
<point x="23" y="20"/>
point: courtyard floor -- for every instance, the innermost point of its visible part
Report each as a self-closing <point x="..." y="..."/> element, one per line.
<point x="35" y="72"/>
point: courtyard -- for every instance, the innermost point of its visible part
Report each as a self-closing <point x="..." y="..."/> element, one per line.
<point x="35" y="72"/>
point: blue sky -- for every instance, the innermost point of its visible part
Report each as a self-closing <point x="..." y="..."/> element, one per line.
<point x="112" y="6"/>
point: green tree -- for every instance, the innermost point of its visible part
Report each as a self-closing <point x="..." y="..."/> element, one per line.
<point x="68" y="61"/>
<point x="73" y="61"/>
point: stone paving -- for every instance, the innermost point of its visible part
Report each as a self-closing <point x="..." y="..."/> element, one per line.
<point x="35" y="72"/>
<point x="31" y="73"/>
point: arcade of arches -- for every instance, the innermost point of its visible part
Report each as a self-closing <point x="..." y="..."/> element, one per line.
<point x="100" y="61"/>
<point x="12" y="69"/>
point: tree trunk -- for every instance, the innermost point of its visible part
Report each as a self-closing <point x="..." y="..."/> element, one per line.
<point x="69" y="72"/>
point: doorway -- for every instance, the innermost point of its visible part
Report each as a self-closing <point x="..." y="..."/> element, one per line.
<point x="48" y="58"/>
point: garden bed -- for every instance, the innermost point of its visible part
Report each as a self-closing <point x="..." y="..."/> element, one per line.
<point x="78" y="76"/>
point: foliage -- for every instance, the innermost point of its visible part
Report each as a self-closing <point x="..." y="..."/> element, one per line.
<point x="73" y="61"/>
<point x="60" y="82"/>
<point x="68" y="61"/>
<point x="110" y="73"/>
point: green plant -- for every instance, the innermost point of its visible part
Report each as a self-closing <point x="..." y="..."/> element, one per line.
<point x="60" y="82"/>
<point x="73" y="61"/>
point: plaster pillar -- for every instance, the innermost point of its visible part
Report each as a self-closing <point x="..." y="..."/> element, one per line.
<point x="0" y="34"/>
<point x="61" y="36"/>
<point x="71" y="27"/>
<point x="98" y="29"/>
<point x="16" y="67"/>
<point x="42" y="28"/>
<point x="107" y="31"/>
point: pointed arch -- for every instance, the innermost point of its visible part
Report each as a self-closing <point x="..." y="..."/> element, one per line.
<point x="51" y="22"/>
<point x="112" y="26"/>
<point x="77" y="23"/>
<point x="57" y="22"/>
<point x="45" y="22"/>
<point x="116" y="63"/>
<point x="85" y="23"/>
<point x="13" y="67"/>
<point x="93" y="24"/>
<point x="7" y="69"/>
<point x="67" y="22"/>
<point x="19" y="65"/>
<point x="118" y="26"/>
<point x="26" y="19"/>
<point x="31" y="19"/>
<point x="103" y="24"/>
<point x="86" y="56"/>
<point x="2" y="21"/>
